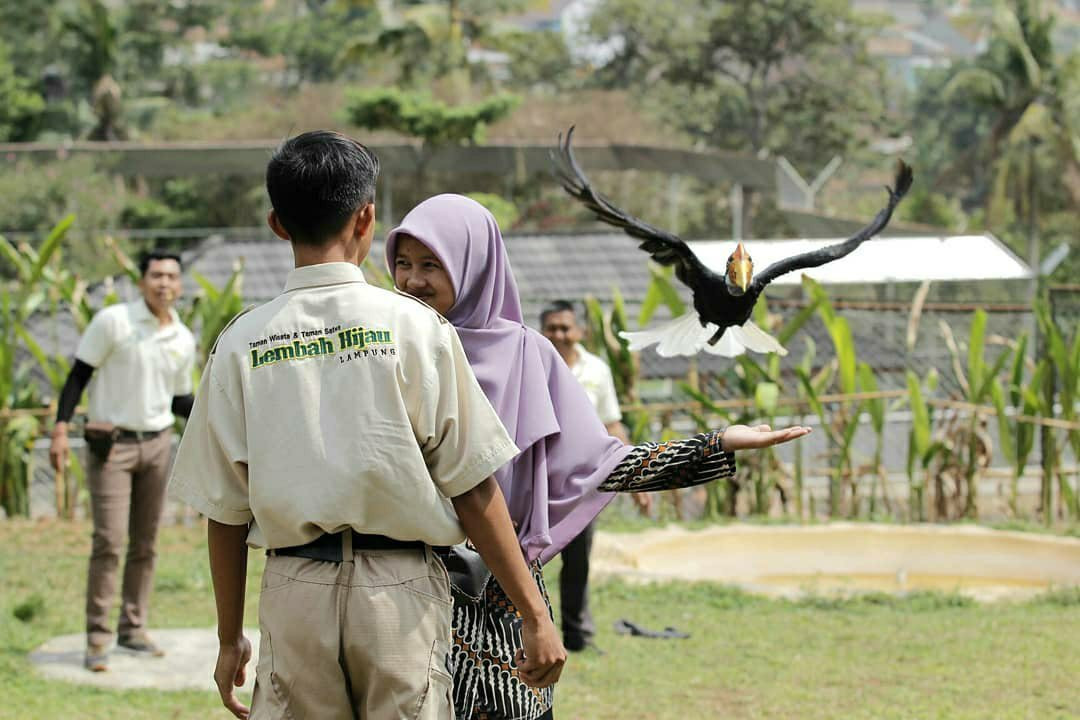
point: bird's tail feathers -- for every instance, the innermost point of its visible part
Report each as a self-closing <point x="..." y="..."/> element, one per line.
<point x="754" y="338"/>
<point x="685" y="335"/>
<point x="726" y="346"/>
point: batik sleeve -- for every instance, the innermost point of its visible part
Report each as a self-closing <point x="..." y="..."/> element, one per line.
<point x="672" y="465"/>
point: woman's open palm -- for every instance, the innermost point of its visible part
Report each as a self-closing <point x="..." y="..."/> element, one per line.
<point x="744" y="437"/>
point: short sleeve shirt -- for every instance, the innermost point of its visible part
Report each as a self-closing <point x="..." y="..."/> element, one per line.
<point x="338" y="405"/>
<point x="595" y="376"/>
<point x="139" y="365"/>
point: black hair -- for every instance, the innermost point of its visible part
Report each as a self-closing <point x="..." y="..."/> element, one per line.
<point x="317" y="180"/>
<point x="149" y="256"/>
<point x="556" y="306"/>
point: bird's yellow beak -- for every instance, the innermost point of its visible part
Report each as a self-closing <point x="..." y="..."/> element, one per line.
<point x="741" y="268"/>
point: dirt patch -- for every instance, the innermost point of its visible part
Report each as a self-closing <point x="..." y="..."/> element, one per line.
<point x="848" y="557"/>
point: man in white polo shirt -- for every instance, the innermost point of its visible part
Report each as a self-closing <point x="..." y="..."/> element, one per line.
<point x="559" y="324"/>
<point x="340" y="427"/>
<point x="137" y="358"/>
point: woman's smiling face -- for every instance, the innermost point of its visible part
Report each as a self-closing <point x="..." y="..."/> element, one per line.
<point x="419" y="272"/>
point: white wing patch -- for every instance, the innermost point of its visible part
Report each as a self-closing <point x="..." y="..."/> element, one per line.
<point x="685" y="335"/>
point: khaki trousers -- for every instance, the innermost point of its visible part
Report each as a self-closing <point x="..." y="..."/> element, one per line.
<point x="127" y="495"/>
<point x="367" y="638"/>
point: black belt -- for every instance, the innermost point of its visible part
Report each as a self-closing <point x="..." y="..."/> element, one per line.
<point x="327" y="547"/>
<point x="123" y="435"/>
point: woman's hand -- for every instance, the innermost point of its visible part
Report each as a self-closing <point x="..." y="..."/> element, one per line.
<point x="744" y="437"/>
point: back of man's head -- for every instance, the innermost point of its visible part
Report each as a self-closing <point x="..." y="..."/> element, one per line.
<point x="317" y="180"/>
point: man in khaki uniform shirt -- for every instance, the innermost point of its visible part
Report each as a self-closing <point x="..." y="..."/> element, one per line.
<point x="340" y="427"/>
<point x="137" y="358"/>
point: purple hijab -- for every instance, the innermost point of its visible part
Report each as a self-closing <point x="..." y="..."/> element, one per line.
<point x="551" y="487"/>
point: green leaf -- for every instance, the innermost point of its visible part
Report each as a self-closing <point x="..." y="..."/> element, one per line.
<point x="975" y="351"/>
<point x="1016" y="381"/>
<point x="876" y="408"/>
<point x="920" y="416"/>
<point x="56" y="370"/>
<point x="52" y="242"/>
<point x="766" y="396"/>
<point x="844" y="344"/>
<point x="797" y="321"/>
<point x="991" y="378"/>
<point x="1005" y="432"/>
<point x="811" y="393"/>
<point x="700" y="397"/>
<point x="660" y="291"/>
<point x="820" y="298"/>
<point x="13" y="256"/>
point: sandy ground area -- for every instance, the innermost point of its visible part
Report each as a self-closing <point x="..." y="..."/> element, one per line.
<point x="847" y="557"/>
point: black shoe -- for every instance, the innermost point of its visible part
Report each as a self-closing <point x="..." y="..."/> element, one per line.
<point x="581" y="644"/>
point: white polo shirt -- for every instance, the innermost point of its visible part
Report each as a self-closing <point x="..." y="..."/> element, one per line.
<point x="138" y="366"/>
<point x="338" y="405"/>
<point x="595" y="376"/>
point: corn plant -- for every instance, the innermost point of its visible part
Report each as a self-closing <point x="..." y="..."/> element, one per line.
<point x="213" y="309"/>
<point x="1017" y="438"/>
<point x="1060" y="385"/>
<point x="843" y="422"/>
<point x="967" y="440"/>
<point x="18" y="303"/>
<point x="603" y="339"/>
<point x="921" y="448"/>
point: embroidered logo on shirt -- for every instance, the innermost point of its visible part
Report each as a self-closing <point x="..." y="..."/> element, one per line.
<point x="304" y="344"/>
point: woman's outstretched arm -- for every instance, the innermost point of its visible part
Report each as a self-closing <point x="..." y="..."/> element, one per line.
<point x="692" y="461"/>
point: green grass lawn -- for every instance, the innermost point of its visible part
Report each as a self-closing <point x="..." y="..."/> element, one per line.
<point x="924" y="656"/>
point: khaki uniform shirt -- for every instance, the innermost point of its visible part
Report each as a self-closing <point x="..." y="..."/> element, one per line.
<point x="595" y="376"/>
<point x="338" y="405"/>
<point x="138" y="366"/>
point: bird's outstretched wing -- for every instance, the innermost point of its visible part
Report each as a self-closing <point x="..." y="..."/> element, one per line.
<point x="901" y="185"/>
<point x="665" y="248"/>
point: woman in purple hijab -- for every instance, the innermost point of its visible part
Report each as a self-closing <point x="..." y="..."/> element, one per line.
<point x="448" y="251"/>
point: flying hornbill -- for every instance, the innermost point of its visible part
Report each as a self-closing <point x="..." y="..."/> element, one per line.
<point x="720" y="321"/>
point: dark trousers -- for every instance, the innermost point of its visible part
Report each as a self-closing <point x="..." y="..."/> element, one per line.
<point x="577" y="622"/>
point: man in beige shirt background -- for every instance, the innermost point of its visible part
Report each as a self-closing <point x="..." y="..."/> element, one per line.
<point x="137" y="358"/>
<point x="559" y="324"/>
<point x="340" y="427"/>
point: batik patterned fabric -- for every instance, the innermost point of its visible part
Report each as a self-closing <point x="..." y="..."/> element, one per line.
<point x="487" y="634"/>
<point x="672" y="465"/>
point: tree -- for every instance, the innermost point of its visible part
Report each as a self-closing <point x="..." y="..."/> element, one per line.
<point x="308" y="34"/>
<point x="749" y="75"/>
<point x="1016" y="106"/>
<point x="20" y="106"/>
<point x="420" y="116"/>
<point x="431" y="40"/>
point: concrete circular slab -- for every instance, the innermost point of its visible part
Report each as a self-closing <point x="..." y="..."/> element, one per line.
<point x="188" y="664"/>
<point x="842" y="558"/>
